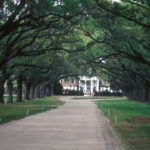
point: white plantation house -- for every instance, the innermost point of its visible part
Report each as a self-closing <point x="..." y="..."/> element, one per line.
<point x="87" y="84"/>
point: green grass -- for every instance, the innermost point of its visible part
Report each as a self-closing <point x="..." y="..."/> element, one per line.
<point x="6" y="98"/>
<point x="135" y="134"/>
<point x="16" y="111"/>
<point x="42" y="101"/>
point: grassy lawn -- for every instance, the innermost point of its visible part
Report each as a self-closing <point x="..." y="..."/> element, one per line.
<point x="42" y="101"/>
<point x="16" y="111"/>
<point x="131" y="121"/>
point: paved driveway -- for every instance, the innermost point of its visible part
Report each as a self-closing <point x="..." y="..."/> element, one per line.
<point x="77" y="125"/>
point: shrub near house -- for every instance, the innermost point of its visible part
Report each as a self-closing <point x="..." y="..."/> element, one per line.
<point x="107" y="93"/>
<point x="72" y="92"/>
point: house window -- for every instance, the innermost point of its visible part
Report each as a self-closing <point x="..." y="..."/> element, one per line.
<point x="88" y="82"/>
<point x="72" y="80"/>
<point x="82" y="82"/>
<point x="66" y="80"/>
<point x="94" y="82"/>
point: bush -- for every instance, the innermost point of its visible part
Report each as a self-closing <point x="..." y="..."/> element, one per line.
<point x="107" y="93"/>
<point x="73" y="92"/>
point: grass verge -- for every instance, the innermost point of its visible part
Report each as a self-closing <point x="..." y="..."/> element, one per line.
<point x="16" y="111"/>
<point x="131" y="121"/>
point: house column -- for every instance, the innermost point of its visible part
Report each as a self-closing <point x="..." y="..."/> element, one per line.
<point x="91" y="86"/>
<point x="97" y="86"/>
<point x="85" y="86"/>
<point x="79" y="84"/>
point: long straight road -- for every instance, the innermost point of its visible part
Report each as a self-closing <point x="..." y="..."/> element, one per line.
<point x="77" y="125"/>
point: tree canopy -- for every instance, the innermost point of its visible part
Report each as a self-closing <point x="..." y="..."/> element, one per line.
<point x="44" y="41"/>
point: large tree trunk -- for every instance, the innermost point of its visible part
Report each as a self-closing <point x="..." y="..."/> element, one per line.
<point x="44" y="90"/>
<point x="3" y="77"/>
<point x="10" y="91"/>
<point x="1" y="90"/>
<point x="37" y="91"/>
<point x="27" y="91"/>
<point x="148" y="97"/>
<point x="41" y="91"/>
<point x="146" y="92"/>
<point x="48" y="91"/>
<point x="52" y="89"/>
<point x="33" y="92"/>
<point x="19" y="89"/>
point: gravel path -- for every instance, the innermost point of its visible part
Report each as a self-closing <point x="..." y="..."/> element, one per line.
<point x="77" y="125"/>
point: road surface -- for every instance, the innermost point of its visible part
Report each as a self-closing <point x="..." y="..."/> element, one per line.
<point x="77" y="125"/>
